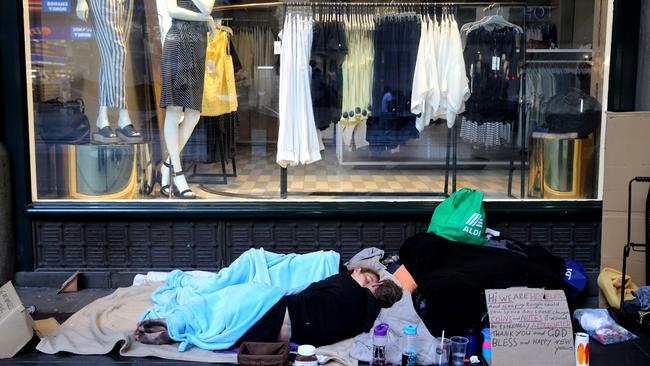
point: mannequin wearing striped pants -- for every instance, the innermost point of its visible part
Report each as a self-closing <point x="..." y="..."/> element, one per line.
<point x="112" y="23"/>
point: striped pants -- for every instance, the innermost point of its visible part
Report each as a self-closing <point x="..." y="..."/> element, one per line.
<point x="112" y="23"/>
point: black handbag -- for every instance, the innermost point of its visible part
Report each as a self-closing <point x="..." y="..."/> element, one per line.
<point x="60" y="121"/>
<point x="573" y="112"/>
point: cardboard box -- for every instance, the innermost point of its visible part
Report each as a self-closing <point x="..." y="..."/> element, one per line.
<point x="627" y="154"/>
<point x="16" y="325"/>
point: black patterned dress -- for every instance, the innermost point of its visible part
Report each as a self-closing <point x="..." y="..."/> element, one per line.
<point x="183" y="62"/>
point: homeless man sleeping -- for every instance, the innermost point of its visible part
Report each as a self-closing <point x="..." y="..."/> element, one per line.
<point x="266" y="297"/>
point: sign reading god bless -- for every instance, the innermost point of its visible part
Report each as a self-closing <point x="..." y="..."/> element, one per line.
<point x="530" y="327"/>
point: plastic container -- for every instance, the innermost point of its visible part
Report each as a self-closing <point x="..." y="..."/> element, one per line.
<point x="379" y="341"/>
<point x="458" y="349"/>
<point x="306" y="356"/>
<point x="442" y="351"/>
<point x="409" y="351"/>
<point x="487" y="345"/>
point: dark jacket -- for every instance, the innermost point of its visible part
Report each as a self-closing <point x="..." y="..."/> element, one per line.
<point x="452" y="278"/>
<point x="331" y="310"/>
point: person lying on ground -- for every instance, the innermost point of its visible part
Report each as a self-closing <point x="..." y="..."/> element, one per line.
<point x="328" y="311"/>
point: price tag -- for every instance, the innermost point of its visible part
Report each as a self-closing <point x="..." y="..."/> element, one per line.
<point x="496" y="63"/>
<point x="277" y="47"/>
<point x="211" y="67"/>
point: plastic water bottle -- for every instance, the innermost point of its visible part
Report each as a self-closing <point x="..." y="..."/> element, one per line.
<point x="379" y="341"/>
<point x="409" y="353"/>
<point x="487" y="345"/>
<point x="472" y="345"/>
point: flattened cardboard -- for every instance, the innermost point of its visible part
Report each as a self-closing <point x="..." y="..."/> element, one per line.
<point x="44" y="327"/>
<point x="70" y="285"/>
<point x="530" y="327"/>
<point x="15" y="323"/>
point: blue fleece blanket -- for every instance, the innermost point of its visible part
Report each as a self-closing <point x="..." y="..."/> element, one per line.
<point x="214" y="312"/>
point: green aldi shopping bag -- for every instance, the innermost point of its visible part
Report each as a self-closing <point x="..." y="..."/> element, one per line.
<point x="460" y="218"/>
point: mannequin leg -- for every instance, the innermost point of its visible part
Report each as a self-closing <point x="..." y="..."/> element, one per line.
<point x="187" y="126"/>
<point x="126" y="131"/>
<point x="105" y="134"/>
<point x="188" y="123"/>
<point x="190" y="119"/>
<point x="173" y="116"/>
<point x="102" y="117"/>
<point x="124" y="119"/>
<point x="176" y="136"/>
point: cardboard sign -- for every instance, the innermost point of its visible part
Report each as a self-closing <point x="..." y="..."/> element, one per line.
<point x="15" y="323"/>
<point x="530" y="327"/>
<point x="45" y="327"/>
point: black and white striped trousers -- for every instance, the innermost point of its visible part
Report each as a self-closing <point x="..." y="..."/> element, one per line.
<point x="112" y="23"/>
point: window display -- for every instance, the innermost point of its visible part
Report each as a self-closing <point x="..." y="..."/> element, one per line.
<point x="313" y="100"/>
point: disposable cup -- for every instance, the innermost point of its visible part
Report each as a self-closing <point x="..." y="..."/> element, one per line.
<point x="458" y="349"/>
<point x="441" y="354"/>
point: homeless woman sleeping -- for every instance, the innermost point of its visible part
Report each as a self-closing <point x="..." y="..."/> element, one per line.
<point x="266" y="297"/>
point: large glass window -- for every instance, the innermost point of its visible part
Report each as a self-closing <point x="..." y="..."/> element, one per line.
<point x="182" y="99"/>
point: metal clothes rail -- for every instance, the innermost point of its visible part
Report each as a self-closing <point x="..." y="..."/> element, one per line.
<point x="489" y="5"/>
<point x="560" y="62"/>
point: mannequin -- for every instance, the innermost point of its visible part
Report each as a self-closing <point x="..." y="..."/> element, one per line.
<point x="112" y="23"/>
<point x="183" y="69"/>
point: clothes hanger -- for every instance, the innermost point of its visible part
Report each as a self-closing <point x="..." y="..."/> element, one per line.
<point x="497" y="19"/>
<point x="218" y="24"/>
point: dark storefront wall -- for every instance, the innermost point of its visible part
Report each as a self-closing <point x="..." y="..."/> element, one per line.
<point x="110" y="245"/>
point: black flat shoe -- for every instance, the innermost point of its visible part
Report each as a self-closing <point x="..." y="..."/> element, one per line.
<point x="105" y="136"/>
<point x="129" y="134"/>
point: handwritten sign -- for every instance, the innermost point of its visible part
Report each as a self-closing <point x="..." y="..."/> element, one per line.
<point x="530" y="327"/>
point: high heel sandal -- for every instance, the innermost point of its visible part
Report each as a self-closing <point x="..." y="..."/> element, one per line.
<point x="165" y="190"/>
<point x="150" y="183"/>
<point x="186" y="194"/>
<point x="164" y="186"/>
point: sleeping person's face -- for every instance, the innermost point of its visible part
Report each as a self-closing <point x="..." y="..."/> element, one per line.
<point x="366" y="279"/>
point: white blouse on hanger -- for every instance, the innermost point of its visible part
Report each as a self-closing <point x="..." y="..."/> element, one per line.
<point x="457" y="82"/>
<point x="440" y="85"/>
<point x="425" y="98"/>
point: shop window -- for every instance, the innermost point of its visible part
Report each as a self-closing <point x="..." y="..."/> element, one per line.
<point x="142" y="100"/>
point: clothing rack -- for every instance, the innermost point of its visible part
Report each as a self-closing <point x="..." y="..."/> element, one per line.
<point x="451" y="156"/>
